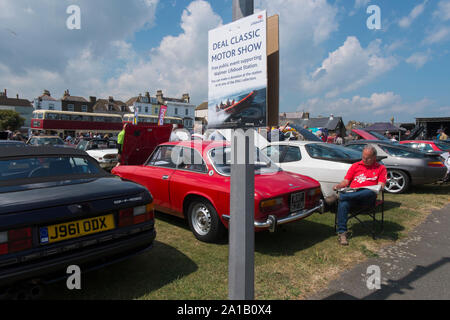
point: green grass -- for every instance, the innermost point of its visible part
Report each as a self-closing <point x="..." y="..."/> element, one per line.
<point x="293" y="263"/>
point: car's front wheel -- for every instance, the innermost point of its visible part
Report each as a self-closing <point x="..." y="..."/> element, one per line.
<point x="397" y="181"/>
<point x="204" y="221"/>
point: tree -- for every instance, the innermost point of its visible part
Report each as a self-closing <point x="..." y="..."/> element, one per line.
<point x="10" y="120"/>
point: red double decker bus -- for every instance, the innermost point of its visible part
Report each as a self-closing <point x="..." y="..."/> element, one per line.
<point x="147" y="119"/>
<point x="73" y="123"/>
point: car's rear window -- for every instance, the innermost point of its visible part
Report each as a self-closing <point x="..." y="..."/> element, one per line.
<point x="46" y="141"/>
<point x="402" y="152"/>
<point x="46" y="167"/>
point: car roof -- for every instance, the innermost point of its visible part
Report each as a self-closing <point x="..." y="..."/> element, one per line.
<point x="296" y="142"/>
<point x="40" y="151"/>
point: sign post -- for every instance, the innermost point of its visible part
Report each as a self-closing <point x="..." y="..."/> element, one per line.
<point x="241" y="265"/>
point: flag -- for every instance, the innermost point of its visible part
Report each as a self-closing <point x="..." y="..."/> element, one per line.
<point x="136" y="116"/>
<point x="162" y="115"/>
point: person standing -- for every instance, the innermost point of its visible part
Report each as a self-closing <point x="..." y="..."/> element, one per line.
<point x="120" y="143"/>
<point x="339" y="140"/>
<point x="442" y="135"/>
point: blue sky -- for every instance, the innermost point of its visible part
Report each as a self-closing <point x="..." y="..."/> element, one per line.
<point x="331" y="63"/>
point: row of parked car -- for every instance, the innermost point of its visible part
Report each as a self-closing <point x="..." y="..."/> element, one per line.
<point x="105" y="151"/>
<point x="59" y="207"/>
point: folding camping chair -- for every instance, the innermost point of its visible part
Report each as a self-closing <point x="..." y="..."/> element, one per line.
<point x="372" y="211"/>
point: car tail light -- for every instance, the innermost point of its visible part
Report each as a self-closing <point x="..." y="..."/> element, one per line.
<point x="436" y="164"/>
<point x="136" y="215"/>
<point x="15" y="240"/>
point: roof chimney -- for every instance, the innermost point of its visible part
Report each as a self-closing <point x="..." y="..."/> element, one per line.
<point x="160" y="96"/>
<point x="47" y="93"/>
<point x="17" y="96"/>
<point x="111" y="99"/>
<point x="4" y="94"/>
<point x="93" y="100"/>
<point x="186" y="97"/>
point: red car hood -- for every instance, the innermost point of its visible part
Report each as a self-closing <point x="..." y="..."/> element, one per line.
<point x="282" y="182"/>
<point x="364" y="134"/>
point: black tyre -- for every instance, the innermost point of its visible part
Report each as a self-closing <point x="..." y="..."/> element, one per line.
<point x="204" y="221"/>
<point x="398" y="181"/>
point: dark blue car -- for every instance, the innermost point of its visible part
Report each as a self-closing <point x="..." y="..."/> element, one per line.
<point x="59" y="208"/>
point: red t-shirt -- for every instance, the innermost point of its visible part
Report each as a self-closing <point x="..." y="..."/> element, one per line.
<point x="361" y="176"/>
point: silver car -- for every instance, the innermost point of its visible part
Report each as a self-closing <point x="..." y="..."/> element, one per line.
<point x="406" y="167"/>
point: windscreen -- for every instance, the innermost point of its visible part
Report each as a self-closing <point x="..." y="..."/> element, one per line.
<point x="330" y="151"/>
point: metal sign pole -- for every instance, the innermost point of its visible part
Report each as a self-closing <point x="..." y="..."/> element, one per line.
<point x="241" y="276"/>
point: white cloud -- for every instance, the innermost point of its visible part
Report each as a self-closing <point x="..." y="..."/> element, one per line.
<point x="100" y="60"/>
<point x="406" y="22"/>
<point x="179" y="64"/>
<point x="419" y="59"/>
<point x="303" y="21"/>
<point x="348" y="68"/>
<point x="361" y="3"/>
<point x="42" y="53"/>
<point x="439" y="35"/>
<point x="39" y="37"/>
<point x="381" y="105"/>
<point x="443" y="11"/>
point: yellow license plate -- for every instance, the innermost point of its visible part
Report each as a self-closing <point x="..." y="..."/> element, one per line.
<point x="75" y="229"/>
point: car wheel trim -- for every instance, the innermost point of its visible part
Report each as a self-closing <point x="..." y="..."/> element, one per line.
<point x="201" y="219"/>
<point x="396" y="182"/>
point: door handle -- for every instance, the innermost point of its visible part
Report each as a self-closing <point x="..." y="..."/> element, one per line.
<point x="165" y="177"/>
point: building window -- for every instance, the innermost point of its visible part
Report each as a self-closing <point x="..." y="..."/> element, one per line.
<point x="84" y="108"/>
<point x="70" y="107"/>
<point x="146" y="109"/>
<point x="156" y="111"/>
<point x="110" y="107"/>
<point x="123" y="108"/>
<point x="176" y="111"/>
<point x="187" y="112"/>
<point x="51" y="106"/>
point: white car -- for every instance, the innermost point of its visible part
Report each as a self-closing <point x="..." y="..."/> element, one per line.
<point x="104" y="151"/>
<point x="326" y="163"/>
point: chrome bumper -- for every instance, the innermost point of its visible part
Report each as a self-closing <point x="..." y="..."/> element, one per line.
<point x="272" y="221"/>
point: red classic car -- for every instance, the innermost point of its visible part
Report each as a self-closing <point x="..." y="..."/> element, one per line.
<point x="191" y="180"/>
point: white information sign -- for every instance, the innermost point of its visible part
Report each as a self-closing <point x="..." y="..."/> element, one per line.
<point x="237" y="96"/>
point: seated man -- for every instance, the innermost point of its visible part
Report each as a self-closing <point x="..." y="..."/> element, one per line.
<point x="362" y="174"/>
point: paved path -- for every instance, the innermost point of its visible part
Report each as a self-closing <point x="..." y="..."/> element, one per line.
<point x="415" y="268"/>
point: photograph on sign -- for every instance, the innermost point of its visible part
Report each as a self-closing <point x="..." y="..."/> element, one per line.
<point x="237" y="96"/>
